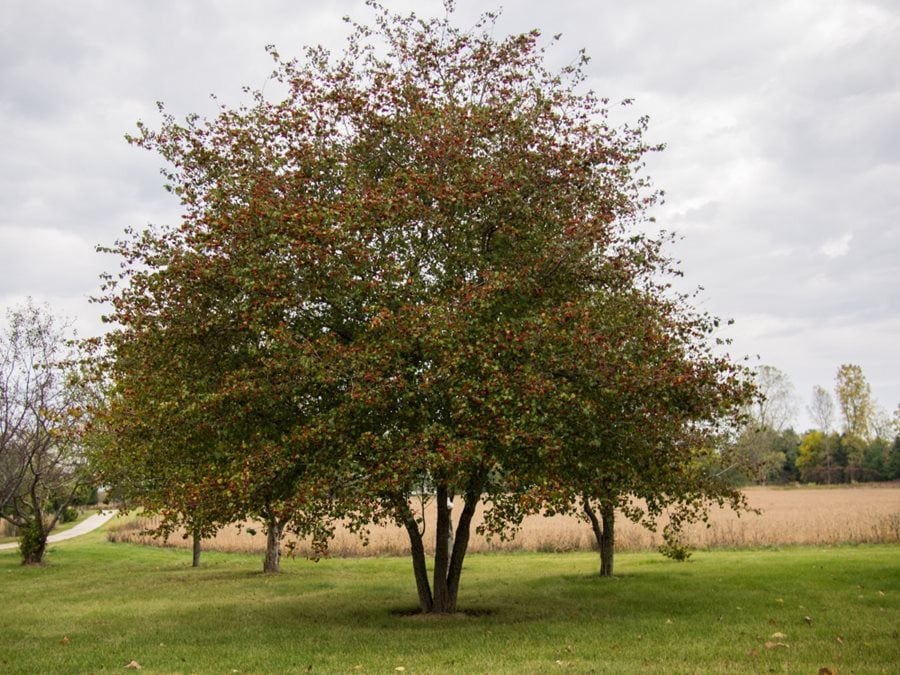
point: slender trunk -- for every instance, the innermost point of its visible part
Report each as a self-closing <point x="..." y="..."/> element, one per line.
<point x="604" y="532"/>
<point x="272" y="561"/>
<point x="596" y="527"/>
<point x="442" y="600"/>
<point x="420" y="570"/>
<point x="460" y="546"/>
<point x="608" y="545"/>
<point x="195" y="562"/>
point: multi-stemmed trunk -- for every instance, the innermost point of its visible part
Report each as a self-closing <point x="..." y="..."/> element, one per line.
<point x="604" y="529"/>
<point x="439" y="597"/>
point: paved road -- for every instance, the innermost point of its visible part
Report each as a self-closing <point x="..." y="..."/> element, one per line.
<point x="85" y="526"/>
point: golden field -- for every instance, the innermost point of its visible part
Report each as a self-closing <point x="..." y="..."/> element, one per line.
<point x="868" y="513"/>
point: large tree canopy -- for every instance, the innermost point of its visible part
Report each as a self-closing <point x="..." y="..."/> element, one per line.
<point x="425" y="265"/>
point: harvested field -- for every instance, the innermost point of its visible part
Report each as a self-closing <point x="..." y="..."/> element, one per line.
<point x="789" y="515"/>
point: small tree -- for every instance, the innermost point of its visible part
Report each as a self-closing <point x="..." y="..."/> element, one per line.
<point x="640" y="421"/>
<point x="42" y="408"/>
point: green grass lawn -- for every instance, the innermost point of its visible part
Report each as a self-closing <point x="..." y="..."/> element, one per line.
<point x="97" y="606"/>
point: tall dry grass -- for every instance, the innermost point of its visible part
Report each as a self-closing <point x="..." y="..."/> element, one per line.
<point x="789" y="515"/>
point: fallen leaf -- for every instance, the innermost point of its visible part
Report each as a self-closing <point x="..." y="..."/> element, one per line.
<point x="808" y="620"/>
<point x="778" y="636"/>
<point x="840" y="640"/>
<point x="827" y="671"/>
<point x="65" y="640"/>
<point x="400" y="669"/>
<point x="776" y="645"/>
<point x="668" y="622"/>
<point x="881" y="593"/>
<point x="134" y="665"/>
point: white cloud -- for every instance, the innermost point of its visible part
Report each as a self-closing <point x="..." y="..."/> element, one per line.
<point x="835" y="248"/>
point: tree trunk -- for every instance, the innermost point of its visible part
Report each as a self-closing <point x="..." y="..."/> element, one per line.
<point x="460" y="546"/>
<point x="272" y="561"/>
<point x="195" y="562"/>
<point x="442" y="600"/>
<point x="608" y="545"/>
<point x="420" y="569"/>
<point x="448" y="560"/>
<point x="604" y="532"/>
<point x="449" y="571"/>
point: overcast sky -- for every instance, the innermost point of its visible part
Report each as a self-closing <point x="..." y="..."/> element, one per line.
<point x="781" y="119"/>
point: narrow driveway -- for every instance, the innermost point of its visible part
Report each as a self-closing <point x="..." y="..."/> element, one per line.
<point x="85" y="526"/>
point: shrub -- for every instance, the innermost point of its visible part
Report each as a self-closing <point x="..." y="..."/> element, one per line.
<point x="68" y="515"/>
<point x="676" y="551"/>
<point x="32" y="543"/>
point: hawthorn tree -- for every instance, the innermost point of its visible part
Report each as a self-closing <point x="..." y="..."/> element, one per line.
<point x="647" y="406"/>
<point x="373" y="288"/>
<point x="197" y="426"/>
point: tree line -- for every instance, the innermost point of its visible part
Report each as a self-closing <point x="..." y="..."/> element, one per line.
<point x="852" y="440"/>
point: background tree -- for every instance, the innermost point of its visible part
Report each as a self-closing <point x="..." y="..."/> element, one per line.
<point x="854" y="396"/>
<point x="816" y="458"/>
<point x="882" y="424"/>
<point x="42" y="408"/>
<point x="821" y="409"/>
<point x="764" y="448"/>
<point x="776" y="404"/>
<point x="893" y="467"/>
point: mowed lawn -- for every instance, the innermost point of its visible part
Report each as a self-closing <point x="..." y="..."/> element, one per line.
<point x="98" y="607"/>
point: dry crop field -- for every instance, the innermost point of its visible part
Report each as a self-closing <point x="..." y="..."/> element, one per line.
<point x="868" y="513"/>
